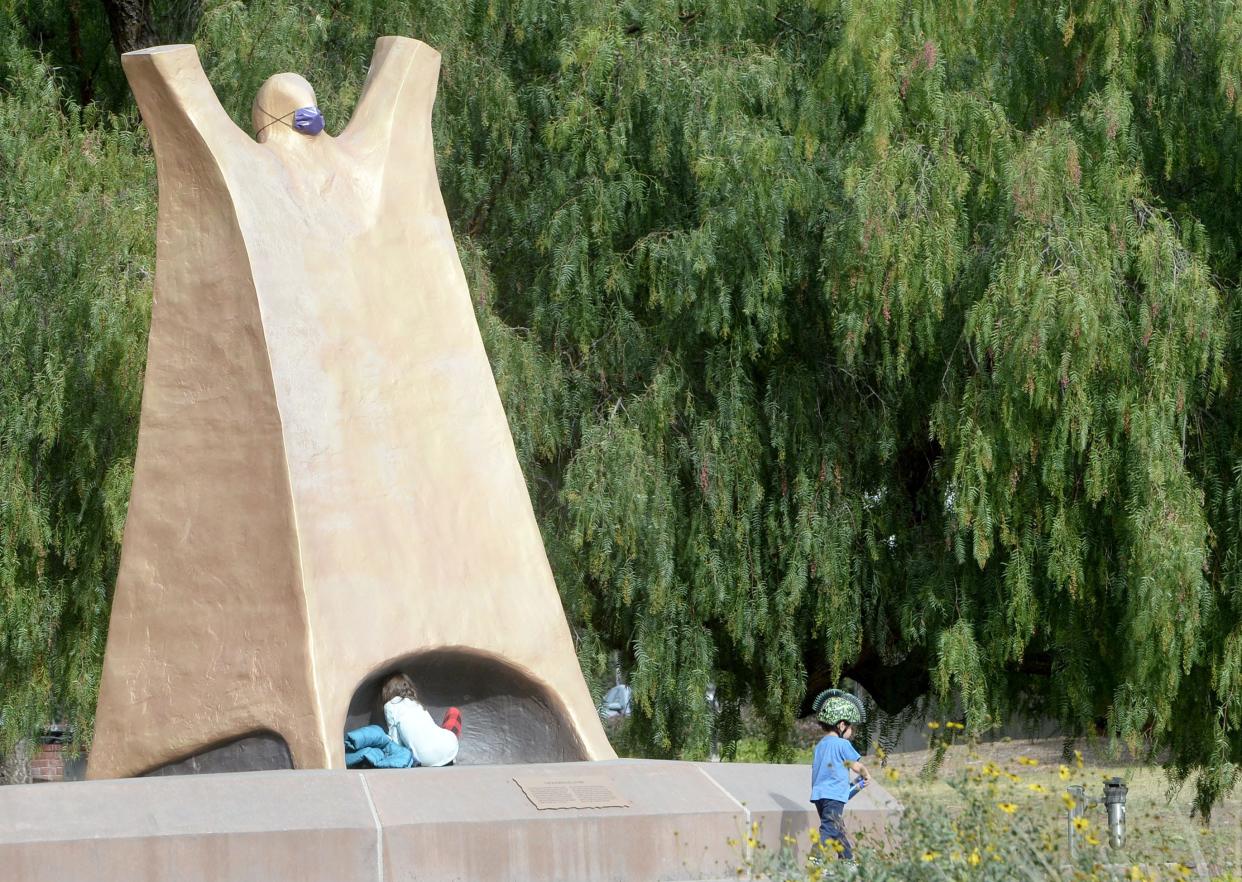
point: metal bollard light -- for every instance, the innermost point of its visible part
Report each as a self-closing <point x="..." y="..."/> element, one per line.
<point x="1114" y="802"/>
<point x="1115" y="805"/>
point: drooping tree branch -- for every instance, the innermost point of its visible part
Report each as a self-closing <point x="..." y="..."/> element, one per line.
<point x="175" y="21"/>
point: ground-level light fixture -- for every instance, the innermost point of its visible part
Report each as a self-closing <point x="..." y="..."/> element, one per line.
<point x="1114" y="802"/>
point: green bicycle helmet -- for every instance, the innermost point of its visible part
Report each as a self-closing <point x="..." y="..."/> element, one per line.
<point x="835" y="705"/>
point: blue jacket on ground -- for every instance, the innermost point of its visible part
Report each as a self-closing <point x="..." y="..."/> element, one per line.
<point x="371" y="746"/>
<point x="830" y="778"/>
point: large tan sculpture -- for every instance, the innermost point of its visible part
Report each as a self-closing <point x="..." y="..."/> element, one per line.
<point x="326" y="490"/>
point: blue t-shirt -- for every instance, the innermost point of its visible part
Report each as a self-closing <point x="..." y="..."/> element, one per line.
<point x="830" y="779"/>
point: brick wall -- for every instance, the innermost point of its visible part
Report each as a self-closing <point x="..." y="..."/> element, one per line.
<point x="44" y="760"/>
<point x="47" y="763"/>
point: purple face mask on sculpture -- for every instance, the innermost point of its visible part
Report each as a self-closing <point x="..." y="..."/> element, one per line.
<point x="308" y="120"/>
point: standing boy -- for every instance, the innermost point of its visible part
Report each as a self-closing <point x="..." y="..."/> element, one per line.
<point x="835" y="758"/>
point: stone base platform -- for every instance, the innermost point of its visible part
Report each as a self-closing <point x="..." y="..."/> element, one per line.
<point x="467" y="823"/>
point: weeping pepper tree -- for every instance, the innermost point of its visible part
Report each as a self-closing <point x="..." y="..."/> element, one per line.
<point x="891" y="339"/>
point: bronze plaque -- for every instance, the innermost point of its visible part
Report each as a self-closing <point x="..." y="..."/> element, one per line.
<point x="575" y="792"/>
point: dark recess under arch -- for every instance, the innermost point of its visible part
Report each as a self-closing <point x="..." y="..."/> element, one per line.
<point x="506" y="716"/>
<point x="256" y="752"/>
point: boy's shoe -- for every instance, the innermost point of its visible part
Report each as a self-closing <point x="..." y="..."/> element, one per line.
<point x="452" y="721"/>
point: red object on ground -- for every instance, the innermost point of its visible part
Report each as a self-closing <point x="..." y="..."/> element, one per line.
<point x="452" y="721"/>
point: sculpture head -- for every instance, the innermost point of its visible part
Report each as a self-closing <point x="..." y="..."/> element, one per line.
<point x="285" y="100"/>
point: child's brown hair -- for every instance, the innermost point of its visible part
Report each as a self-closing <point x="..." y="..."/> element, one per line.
<point x="398" y="686"/>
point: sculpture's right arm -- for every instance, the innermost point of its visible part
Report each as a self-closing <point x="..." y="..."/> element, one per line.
<point x="180" y="109"/>
<point x="396" y="100"/>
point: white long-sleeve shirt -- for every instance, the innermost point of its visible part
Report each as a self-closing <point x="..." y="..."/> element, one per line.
<point x="411" y="725"/>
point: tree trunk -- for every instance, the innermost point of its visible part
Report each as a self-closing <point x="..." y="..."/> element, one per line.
<point x="85" y="91"/>
<point x="15" y="766"/>
<point x="131" y="24"/>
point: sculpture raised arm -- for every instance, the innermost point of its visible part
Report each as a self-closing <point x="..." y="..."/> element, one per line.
<point x="394" y="111"/>
<point x="180" y="109"/>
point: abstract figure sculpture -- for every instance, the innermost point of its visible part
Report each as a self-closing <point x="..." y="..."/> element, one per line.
<point x="326" y="490"/>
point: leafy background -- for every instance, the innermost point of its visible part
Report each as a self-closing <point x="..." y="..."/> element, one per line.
<point x="898" y="340"/>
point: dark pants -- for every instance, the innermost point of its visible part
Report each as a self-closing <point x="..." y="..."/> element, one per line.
<point x="832" y="826"/>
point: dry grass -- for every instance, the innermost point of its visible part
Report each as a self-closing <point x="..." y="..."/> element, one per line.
<point x="1161" y="831"/>
<point x="1160" y="827"/>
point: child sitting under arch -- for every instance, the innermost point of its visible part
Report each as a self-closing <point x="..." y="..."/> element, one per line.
<point x="409" y="724"/>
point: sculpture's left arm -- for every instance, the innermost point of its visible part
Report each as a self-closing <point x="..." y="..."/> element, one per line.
<point x="179" y="108"/>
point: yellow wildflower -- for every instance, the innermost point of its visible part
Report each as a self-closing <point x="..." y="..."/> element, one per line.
<point x="1069" y="801"/>
<point x="1081" y="824"/>
<point x="1078" y="758"/>
<point x="930" y="855"/>
<point x="1064" y="773"/>
<point x="1007" y="807"/>
<point x="1037" y="788"/>
<point x="974" y="858"/>
<point x="1027" y="761"/>
<point x="1017" y="779"/>
<point x="1091" y="840"/>
<point x="1136" y="873"/>
<point x="932" y="724"/>
<point x="892" y="774"/>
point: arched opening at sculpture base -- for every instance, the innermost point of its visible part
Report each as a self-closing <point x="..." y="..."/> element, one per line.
<point x="261" y="751"/>
<point x="507" y="717"/>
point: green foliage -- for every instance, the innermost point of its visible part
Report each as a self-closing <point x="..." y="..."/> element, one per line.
<point x="77" y="210"/>
<point x="831" y="336"/>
